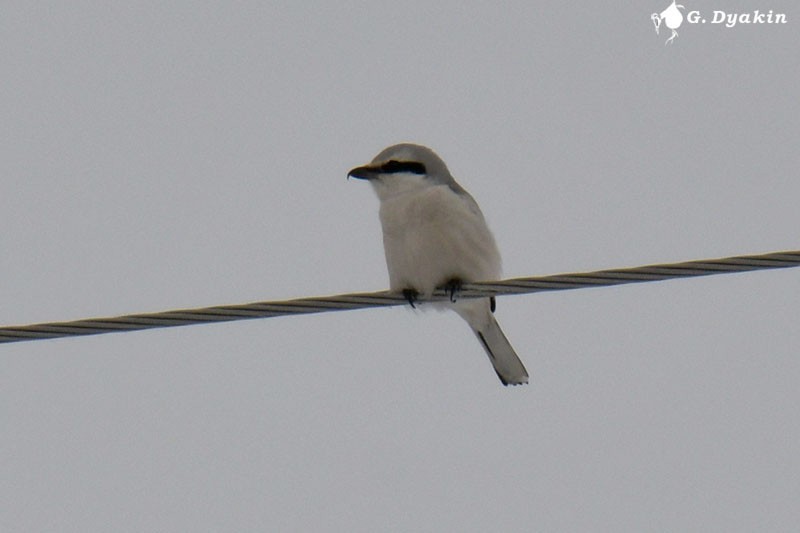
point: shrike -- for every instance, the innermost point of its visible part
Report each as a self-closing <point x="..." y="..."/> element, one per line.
<point x="434" y="235"/>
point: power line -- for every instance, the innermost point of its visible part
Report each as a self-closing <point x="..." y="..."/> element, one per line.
<point x="344" y="302"/>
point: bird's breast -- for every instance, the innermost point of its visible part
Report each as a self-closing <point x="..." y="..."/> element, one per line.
<point x="434" y="236"/>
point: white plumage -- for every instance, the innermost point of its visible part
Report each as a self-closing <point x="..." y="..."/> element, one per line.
<point x="433" y="234"/>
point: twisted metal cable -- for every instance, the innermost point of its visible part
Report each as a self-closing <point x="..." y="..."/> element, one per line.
<point x="343" y="302"/>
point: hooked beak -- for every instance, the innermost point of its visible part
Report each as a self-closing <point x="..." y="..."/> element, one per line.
<point x="363" y="173"/>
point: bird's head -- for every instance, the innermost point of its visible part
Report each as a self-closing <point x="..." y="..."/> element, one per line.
<point x="403" y="168"/>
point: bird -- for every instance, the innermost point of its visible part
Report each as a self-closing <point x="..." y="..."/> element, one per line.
<point x="435" y="235"/>
<point x="672" y="17"/>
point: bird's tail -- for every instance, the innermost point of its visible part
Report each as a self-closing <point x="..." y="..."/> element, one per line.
<point x="506" y="363"/>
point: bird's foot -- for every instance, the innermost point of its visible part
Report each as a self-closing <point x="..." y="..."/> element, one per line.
<point x="672" y="38"/>
<point x="452" y="287"/>
<point x="411" y="297"/>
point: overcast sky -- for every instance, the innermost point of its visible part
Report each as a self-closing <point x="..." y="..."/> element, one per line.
<point x="161" y="155"/>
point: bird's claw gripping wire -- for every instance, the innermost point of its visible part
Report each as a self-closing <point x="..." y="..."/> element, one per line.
<point x="452" y="287"/>
<point x="411" y="297"/>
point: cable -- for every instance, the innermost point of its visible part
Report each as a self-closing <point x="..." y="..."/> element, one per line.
<point x="344" y="302"/>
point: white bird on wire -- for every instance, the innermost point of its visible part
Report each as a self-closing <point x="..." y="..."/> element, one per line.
<point x="434" y="235"/>
<point x="672" y="17"/>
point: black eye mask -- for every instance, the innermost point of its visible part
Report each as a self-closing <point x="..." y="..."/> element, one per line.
<point x="394" y="167"/>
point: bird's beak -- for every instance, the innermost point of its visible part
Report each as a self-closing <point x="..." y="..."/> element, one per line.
<point x="363" y="173"/>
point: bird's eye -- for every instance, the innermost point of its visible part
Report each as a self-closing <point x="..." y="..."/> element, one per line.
<point x="394" y="167"/>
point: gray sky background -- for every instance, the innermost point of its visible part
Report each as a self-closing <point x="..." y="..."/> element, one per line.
<point x="165" y="155"/>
